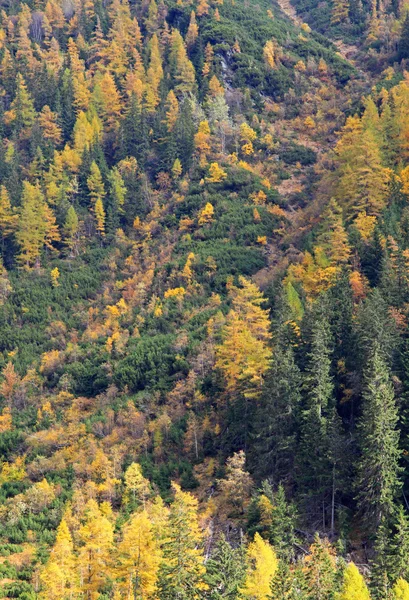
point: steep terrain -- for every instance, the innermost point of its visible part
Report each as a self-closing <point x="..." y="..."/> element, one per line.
<point x="203" y="300"/>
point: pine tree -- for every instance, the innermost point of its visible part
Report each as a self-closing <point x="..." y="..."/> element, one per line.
<point x="314" y="470"/>
<point x="403" y="46"/>
<point x="276" y="418"/>
<point x="378" y="471"/>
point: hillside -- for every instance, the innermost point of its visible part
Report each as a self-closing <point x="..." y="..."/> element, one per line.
<point x="204" y="300"/>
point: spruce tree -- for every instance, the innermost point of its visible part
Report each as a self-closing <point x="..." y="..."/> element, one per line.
<point x="378" y="471"/>
<point x="225" y="571"/>
<point x="274" y="428"/>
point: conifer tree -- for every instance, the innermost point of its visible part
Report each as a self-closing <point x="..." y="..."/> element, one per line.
<point x="70" y="229"/>
<point x="22" y="113"/>
<point x="262" y="565"/>
<point x="320" y="575"/>
<point x="378" y="471"/>
<point x="139" y="558"/>
<point x="182" y="569"/>
<point x="36" y="225"/>
<point x="8" y="217"/>
<point x="96" y="536"/>
<point x="276" y="417"/>
<point x="314" y="472"/>
<point x="354" y="586"/>
<point x="225" y="571"/>
<point x="59" y="578"/>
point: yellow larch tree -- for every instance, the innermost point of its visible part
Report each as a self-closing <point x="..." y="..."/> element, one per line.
<point x="137" y="487"/>
<point x="108" y="102"/>
<point x="247" y="136"/>
<point x="94" y="564"/>
<point x="202" y="142"/>
<point x="354" y="586"/>
<point x="193" y="31"/>
<point x="172" y="110"/>
<point x="155" y="70"/>
<point x="36" y="225"/>
<point x="216" y="173"/>
<point x="244" y="354"/>
<point x="182" y="69"/>
<point x="262" y="566"/>
<point x="51" y="131"/>
<point x="400" y="590"/>
<point x="59" y="578"/>
<point x="139" y="558"/>
<point x="97" y="194"/>
<point x="8" y="217"/>
<point x="206" y="215"/>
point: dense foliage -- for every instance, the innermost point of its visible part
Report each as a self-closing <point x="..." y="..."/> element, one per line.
<point x="204" y="300"/>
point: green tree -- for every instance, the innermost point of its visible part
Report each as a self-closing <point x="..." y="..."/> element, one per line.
<point x="225" y="571"/>
<point x="378" y="470"/>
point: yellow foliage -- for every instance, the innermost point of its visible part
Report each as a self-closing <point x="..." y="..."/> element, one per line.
<point x="177" y="293"/>
<point x="401" y="590"/>
<point x="6" y="422"/>
<point x="354" y="586"/>
<point x="206" y="214"/>
<point x="55" y="275"/>
<point x="216" y="173"/>
<point x="309" y="123"/>
<point x="365" y="224"/>
<point x="13" y="471"/>
<point x="139" y="557"/>
<point x="262" y="566"/>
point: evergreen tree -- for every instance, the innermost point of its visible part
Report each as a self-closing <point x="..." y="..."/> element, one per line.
<point x="403" y="46"/>
<point x="276" y="418"/>
<point x="225" y="571"/>
<point x="182" y="569"/>
<point x="378" y="471"/>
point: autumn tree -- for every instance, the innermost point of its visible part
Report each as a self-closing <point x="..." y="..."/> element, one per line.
<point x="59" y="577"/>
<point x="139" y="558"/>
<point x="261" y="567"/>
<point x="96" y="537"/>
<point x="237" y="484"/>
<point x="354" y="586"/>
<point x="36" y="225"/>
<point x="244" y="354"/>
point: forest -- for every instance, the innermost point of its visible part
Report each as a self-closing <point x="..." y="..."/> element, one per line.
<point x="204" y="299"/>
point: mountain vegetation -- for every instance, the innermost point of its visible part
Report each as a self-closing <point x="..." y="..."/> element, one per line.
<point x="204" y="300"/>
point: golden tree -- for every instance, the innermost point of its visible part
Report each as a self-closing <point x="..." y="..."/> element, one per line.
<point x="139" y="558"/>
